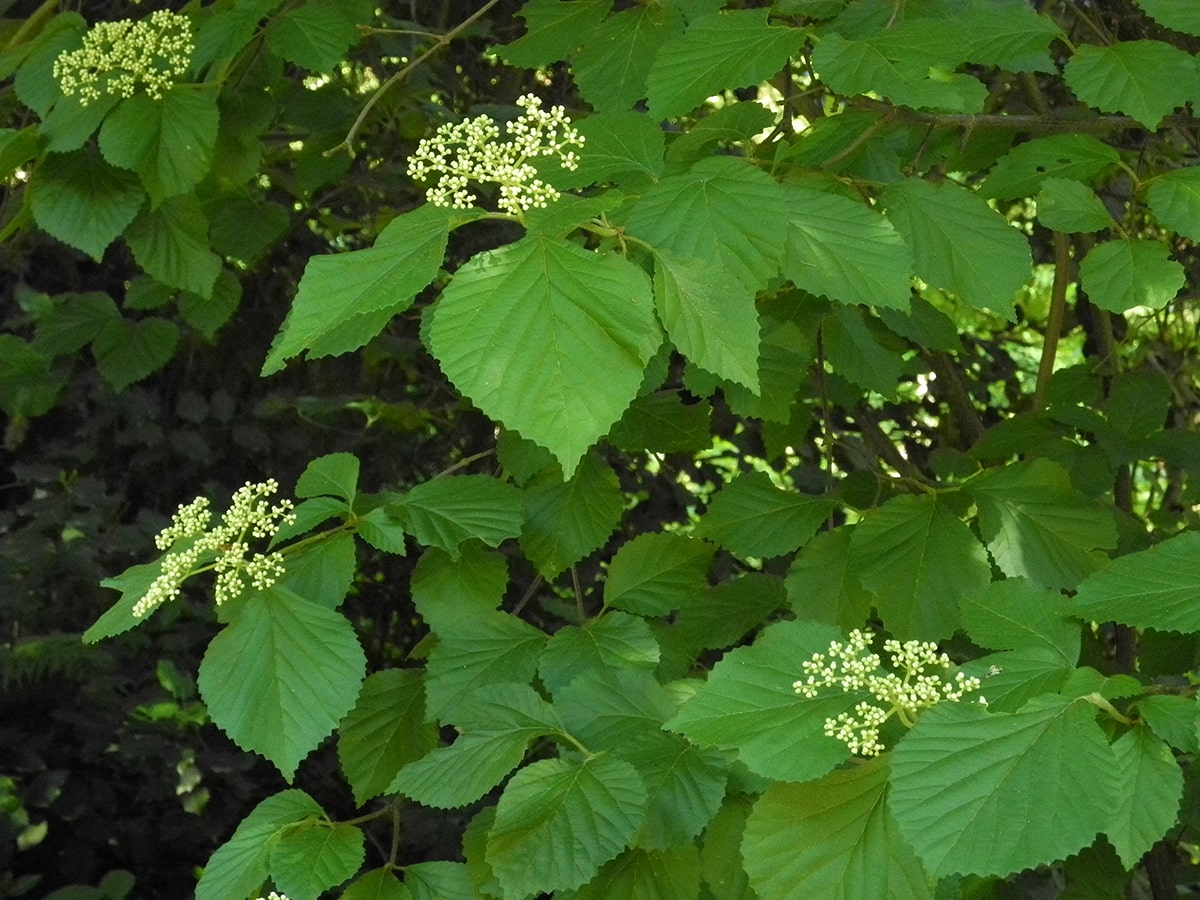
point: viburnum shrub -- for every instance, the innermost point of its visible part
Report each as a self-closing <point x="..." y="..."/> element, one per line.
<point x="920" y="275"/>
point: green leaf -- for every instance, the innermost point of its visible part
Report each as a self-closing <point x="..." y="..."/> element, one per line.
<point x="133" y="584"/>
<point x="748" y="705"/>
<point x="591" y="317"/>
<point x="730" y="126"/>
<point x="446" y="591"/>
<point x="18" y="146"/>
<point x="209" y="314"/>
<point x="1173" y="718"/>
<point x="333" y="475"/>
<point x="439" y="880"/>
<point x="709" y="315"/>
<point x="718" y="52"/>
<point x="1179" y="15"/>
<point x="992" y="793"/>
<point x="83" y="201"/>
<point x="74" y="322"/>
<point x="1154" y="588"/>
<point x="853" y="346"/>
<point x="558" y="821"/>
<point x="621" y="710"/>
<point x="831" y="838"/>
<point x="621" y="147"/>
<point x="845" y="251"/>
<point x="722" y="209"/>
<point x="483" y="650"/>
<point x="1012" y="678"/>
<point x="1066" y="205"/>
<point x="382" y="529"/>
<point x="240" y="865"/>
<point x="1151" y="788"/>
<point x="566" y="520"/>
<point x="315" y="35"/>
<point x="323" y="572"/>
<point x="721" y="857"/>
<point x="663" y="422"/>
<point x="129" y="351"/>
<point x="447" y="512"/>
<point x="1023" y="170"/>
<point x="920" y="560"/>
<point x="1174" y="198"/>
<point x="345" y="299"/>
<point x="823" y="583"/>
<point x="1144" y="79"/>
<point x="169" y="141"/>
<point x="752" y="518"/>
<point x="171" y="244"/>
<point x="1121" y="274"/>
<point x="312" y="858"/>
<point x="378" y="884"/>
<point x="656" y="573"/>
<point x="959" y="243"/>
<point x="672" y="874"/>
<point x="385" y="730"/>
<point x="684" y="789"/>
<point x="552" y="30"/>
<point x="611" y="66"/>
<point x="612" y="641"/>
<point x="281" y="676"/>
<point x="1036" y="525"/>
<point x="1014" y="614"/>
<point x="723" y="614"/>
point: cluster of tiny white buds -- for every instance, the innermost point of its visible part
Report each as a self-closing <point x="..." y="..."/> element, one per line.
<point x="903" y="692"/>
<point x="118" y="56"/>
<point x="195" y="547"/>
<point x="274" y="896"/>
<point x="471" y="150"/>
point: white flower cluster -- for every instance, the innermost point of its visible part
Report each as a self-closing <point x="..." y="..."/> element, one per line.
<point x="195" y="547"/>
<point x="274" y="896"/>
<point x="471" y="150"/>
<point x="904" y="692"/>
<point x="118" y="56"/>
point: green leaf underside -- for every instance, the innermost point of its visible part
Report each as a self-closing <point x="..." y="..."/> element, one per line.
<point x="559" y="821"/>
<point x="752" y="517"/>
<point x="748" y="705"/>
<point x="281" y="675"/>
<point x="1154" y="588"/>
<point x="719" y="51"/>
<point x="1144" y="79"/>
<point x="993" y="793"/>
<point x="344" y="299"/>
<point x="831" y="838"/>
<point x="845" y="251"/>
<point x="1119" y="275"/>
<point x="959" y="243"/>
<point x="591" y="318"/>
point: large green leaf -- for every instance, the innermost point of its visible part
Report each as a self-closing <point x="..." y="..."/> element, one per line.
<point x="1035" y="524"/>
<point x="447" y="512"/>
<point x="591" y="318"/>
<point x="558" y="821"/>
<point x="718" y="52"/>
<point x="1179" y="15"/>
<point x="920" y="560"/>
<point x="566" y="520"/>
<point x="656" y="573"/>
<point x="552" y="30"/>
<point x="959" y="243"/>
<point x="748" y="705"/>
<point x="992" y="793"/>
<point x="310" y="859"/>
<point x="753" y="518"/>
<point x="621" y="146"/>
<point x="1013" y="614"/>
<point x="1121" y="274"/>
<point x="637" y="874"/>
<point x="1144" y="79"/>
<point x="314" y="34"/>
<point x="171" y="244"/>
<point x="611" y="66"/>
<point x="709" y="315"/>
<point x="385" y="730"/>
<point x="446" y="590"/>
<point x="83" y="201"/>
<point x="845" y="250"/>
<point x="616" y="640"/>
<point x="1154" y="588"/>
<point x="1151" y="788"/>
<point x="169" y="141"/>
<point x="345" y="299"/>
<point x="1023" y="170"/>
<point x="831" y="838"/>
<point x="1174" y="198"/>
<point x="281" y="675"/>
<point x="241" y="864"/>
<point x="722" y="209"/>
<point x="684" y="789"/>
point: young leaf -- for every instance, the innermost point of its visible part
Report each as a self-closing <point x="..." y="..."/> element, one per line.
<point x="1145" y="79"/>
<point x="616" y="640"/>
<point x="590" y="317"/>
<point x="566" y="520"/>
<point x="656" y="573"/>
<point x="719" y="51"/>
<point x="748" y="705"/>
<point x="1151" y="786"/>
<point x="670" y="874"/>
<point x="83" y="201"/>
<point x="845" y="251"/>
<point x="345" y="299"/>
<point x="1121" y="274"/>
<point x="118" y="618"/>
<point x="447" y="512"/>
<point x="992" y="793"/>
<point x="385" y="730"/>
<point x="959" y="243"/>
<point x="558" y="821"/>
<point x="752" y="517"/>
<point x="281" y="676"/>
<point x="832" y="838"/>
<point x="310" y="859"/>
<point x="1154" y="588"/>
